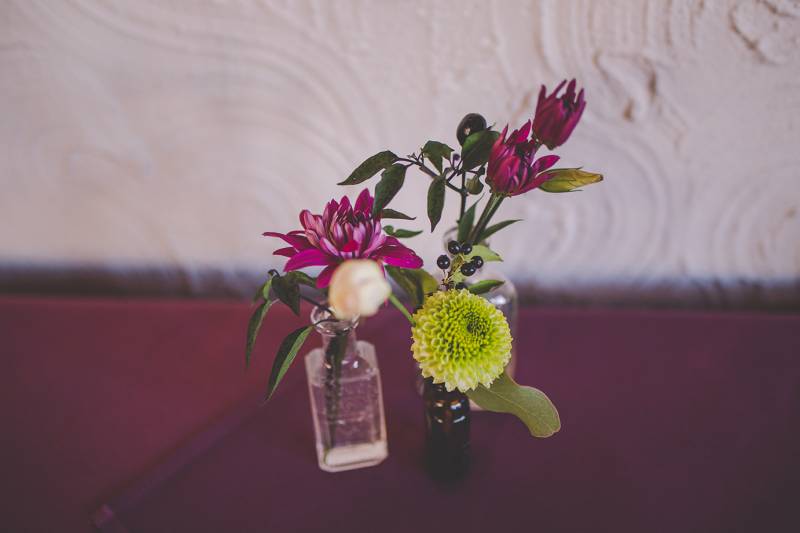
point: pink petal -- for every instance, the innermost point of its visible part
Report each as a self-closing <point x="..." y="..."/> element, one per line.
<point x="286" y="252"/>
<point x="324" y="278"/>
<point x="400" y="256"/>
<point x="300" y="243"/>
<point x="306" y="258"/>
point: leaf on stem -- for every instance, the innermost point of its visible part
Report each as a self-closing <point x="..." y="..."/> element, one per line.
<point x="263" y="292"/>
<point x="486" y="253"/>
<point x="436" y="201"/>
<point x="286" y="354"/>
<point x="288" y="291"/>
<point x="477" y="148"/>
<point x="370" y="167"/>
<point x="465" y="223"/>
<point x="391" y="213"/>
<point x="400" y="233"/>
<point x="569" y="179"/>
<point x="435" y="152"/>
<point x="484" y="286"/>
<point x="474" y="185"/>
<point x="391" y="181"/>
<point x="530" y="405"/>
<point x="253" y="327"/>
<point x="494" y="228"/>
<point x="416" y="282"/>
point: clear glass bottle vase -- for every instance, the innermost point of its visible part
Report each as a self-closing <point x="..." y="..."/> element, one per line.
<point x="344" y="385"/>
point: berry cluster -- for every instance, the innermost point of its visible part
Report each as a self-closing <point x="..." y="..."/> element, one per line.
<point x="467" y="268"/>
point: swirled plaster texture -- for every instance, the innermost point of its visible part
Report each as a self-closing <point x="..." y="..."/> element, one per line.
<point x="167" y="135"/>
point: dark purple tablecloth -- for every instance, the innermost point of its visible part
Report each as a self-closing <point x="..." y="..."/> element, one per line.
<point x="672" y="421"/>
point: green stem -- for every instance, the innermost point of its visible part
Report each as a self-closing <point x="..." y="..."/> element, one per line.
<point x="402" y="308"/>
<point x="488" y="212"/>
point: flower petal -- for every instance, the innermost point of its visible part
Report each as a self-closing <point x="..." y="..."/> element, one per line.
<point x="306" y="258"/>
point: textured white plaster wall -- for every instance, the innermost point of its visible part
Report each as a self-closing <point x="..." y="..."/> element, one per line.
<point x="170" y="134"/>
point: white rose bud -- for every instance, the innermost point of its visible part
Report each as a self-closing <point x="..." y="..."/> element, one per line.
<point x="357" y="288"/>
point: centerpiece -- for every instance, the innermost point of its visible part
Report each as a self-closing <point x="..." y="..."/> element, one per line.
<point x="460" y="340"/>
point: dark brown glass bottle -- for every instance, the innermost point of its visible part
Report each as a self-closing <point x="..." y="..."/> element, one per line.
<point x="447" y="419"/>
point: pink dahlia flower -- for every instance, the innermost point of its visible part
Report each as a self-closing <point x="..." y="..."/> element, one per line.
<point x="513" y="168"/>
<point x="556" y="117"/>
<point x="342" y="232"/>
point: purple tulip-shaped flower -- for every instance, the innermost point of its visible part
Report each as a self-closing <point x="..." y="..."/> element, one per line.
<point x="513" y="168"/>
<point x="557" y="116"/>
<point x="342" y="232"/>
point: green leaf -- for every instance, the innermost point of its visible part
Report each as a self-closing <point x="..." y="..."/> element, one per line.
<point x="391" y="213"/>
<point x="416" y="282"/>
<point x="530" y="405"/>
<point x="435" y="152"/>
<point x="391" y="181"/>
<point x="474" y="185"/>
<point x="297" y="276"/>
<point x="263" y="292"/>
<point x="288" y="291"/>
<point x="465" y="223"/>
<point x="436" y="201"/>
<point x="286" y="354"/>
<point x="569" y="179"/>
<point x="484" y="286"/>
<point x="476" y="149"/>
<point x="494" y="228"/>
<point x="370" y="167"/>
<point x="485" y="252"/>
<point x="400" y="233"/>
<point x="253" y="327"/>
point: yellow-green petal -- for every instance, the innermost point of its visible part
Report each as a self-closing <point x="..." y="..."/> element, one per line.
<point x="461" y="340"/>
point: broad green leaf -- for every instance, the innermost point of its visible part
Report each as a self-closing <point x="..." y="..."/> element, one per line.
<point x="465" y="223"/>
<point x="435" y="152"/>
<point x="263" y="292"/>
<point x="288" y="291"/>
<point x="474" y="185"/>
<point x="484" y="286"/>
<point x="569" y="179"/>
<point x="391" y="213"/>
<point x="400" y="233"/>
<point x="530" y="405"/>
<point x="494" y="228"/>
<point x="370" y="167"/>
<point x="484" y="252"/>
<point x="435" y="201"/>
<point x="391" y="181"/>
<point x="476" y="149"/>
<point x="301" y="278"/>
<point x="416" y="282"/>
<point x="253" y="327"/>
<point x="286" y="354"/>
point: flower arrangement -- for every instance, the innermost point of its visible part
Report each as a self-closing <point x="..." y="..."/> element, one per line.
<point x="459" y="339"/>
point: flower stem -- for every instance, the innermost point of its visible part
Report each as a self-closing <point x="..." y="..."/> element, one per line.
<point x="402" y="308"/>
<point x="488" y="212"/>
<point x="334" y="353"/>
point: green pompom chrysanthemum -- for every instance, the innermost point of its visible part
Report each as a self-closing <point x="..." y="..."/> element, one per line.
<point x="461" y="340"/>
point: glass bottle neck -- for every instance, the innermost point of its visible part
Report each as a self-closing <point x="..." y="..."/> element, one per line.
<point x="338" y="336"/>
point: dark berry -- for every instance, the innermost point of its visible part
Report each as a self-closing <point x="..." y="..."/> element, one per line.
<point x="443" y="262"/>
<point x="466" y="248"/>
<point x="477" y="261"/>
<point x="461" y="285"/>
<point x="471" y="123"/>
<point x="468" y="269"/>
<point x="453" y="248"/>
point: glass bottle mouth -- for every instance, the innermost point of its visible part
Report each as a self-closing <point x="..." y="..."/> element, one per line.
<point x="327" y="324"/>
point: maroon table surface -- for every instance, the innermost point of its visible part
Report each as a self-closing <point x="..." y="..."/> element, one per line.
<point x="672" y="421"/>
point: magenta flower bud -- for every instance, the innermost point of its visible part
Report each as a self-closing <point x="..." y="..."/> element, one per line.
<point x="340" y="233"/>
<point x="557" y="116"/>
<point x="513" y="168"/>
